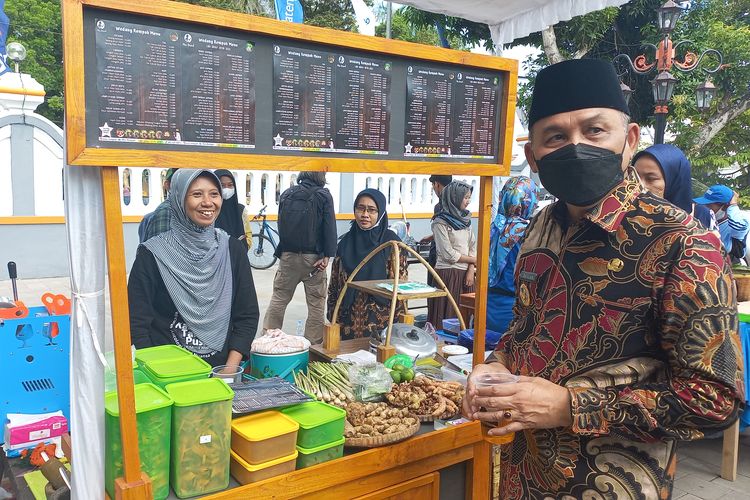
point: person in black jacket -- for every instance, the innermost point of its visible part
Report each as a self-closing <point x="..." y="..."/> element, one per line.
<point x="192" y="285"/>
<point x="307" y="231"/>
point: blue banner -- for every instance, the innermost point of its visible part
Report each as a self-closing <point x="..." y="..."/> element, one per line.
<point x="4" y="23"/>
<point x="286" y="10"/>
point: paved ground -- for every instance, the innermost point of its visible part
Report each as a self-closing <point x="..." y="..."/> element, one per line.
<point x="699" y="462"/>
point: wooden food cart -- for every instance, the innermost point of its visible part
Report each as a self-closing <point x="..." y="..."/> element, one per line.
<point x="403" y="470"/>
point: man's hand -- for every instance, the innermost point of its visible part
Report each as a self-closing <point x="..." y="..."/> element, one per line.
<point x="735" y="198"/>
<point x="426" y="239"/>
<point x="468" y="408"/>
<point x="533" y="403"/>
<point x="321" y="264"/>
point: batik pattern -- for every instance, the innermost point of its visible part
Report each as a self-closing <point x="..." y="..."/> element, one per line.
<point x="634" y="311"/>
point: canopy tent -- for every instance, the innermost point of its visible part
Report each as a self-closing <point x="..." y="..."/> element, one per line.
<point x="508" y="19"/>
<point x="512" y="19"/>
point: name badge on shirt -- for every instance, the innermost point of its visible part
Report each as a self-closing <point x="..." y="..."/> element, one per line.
<point x="528" y="276"/>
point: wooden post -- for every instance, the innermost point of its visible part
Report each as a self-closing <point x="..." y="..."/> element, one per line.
<point x="478" y="483"/>
<point x="730" y="451"/>
<point x="134" y="485"/>
<point x="483" y="251"/>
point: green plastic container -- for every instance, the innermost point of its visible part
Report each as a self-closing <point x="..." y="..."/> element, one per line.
<point x="313" y="456"/>
<point x="201" y="436"/>
<point x="182" y="369"/>
<point x="153" y="420"/>
<point x="744" y="318"/>
<point x="140" y="378"/>
<point x="160" y="353"/>
<point x="320" y="424"/>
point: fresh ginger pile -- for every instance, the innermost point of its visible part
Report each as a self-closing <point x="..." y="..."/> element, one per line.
<point x="427" y="397"/>
<point x="376" y="419"/>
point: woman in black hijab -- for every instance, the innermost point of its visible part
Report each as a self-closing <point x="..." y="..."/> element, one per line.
<point x="362" y="315"/>
<point x="230" y="218"/>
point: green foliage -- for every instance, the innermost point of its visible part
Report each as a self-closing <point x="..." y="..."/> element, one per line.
<point x="464" y="34"/>
<point x="36" y="24"/>
<point x="403" y="29"/>
<point x="335" y="14"/>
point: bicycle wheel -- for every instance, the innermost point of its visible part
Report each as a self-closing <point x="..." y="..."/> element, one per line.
<point x="261" y="252"/>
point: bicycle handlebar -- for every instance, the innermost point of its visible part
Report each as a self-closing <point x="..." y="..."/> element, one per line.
<point x="260" y="214"/>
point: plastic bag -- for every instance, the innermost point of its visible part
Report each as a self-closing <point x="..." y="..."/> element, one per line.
<point x="370" y="382"/>
<point x="277" y="342"/>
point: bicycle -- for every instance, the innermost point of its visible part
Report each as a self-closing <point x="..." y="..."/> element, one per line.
<point x="263" y="244"/>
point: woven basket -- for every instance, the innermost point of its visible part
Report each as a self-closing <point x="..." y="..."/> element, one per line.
<point x="430" y="418"/>
<point x="374" y="442"/>
<point x="743" y="287"/>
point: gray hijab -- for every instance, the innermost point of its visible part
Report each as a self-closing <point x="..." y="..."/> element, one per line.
<point x="450" y="205"/>
<point x="194" y="263"/>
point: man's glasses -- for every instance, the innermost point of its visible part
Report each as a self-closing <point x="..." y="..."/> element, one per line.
<point x="361" y="209"/>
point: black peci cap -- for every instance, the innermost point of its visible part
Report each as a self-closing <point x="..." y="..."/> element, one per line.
<point x="576" y="84"/>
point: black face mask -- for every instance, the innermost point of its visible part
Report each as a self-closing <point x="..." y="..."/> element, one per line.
<point x="581" y="174"/>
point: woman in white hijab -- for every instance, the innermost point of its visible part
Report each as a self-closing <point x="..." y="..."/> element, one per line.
<point x="192" y="285"/>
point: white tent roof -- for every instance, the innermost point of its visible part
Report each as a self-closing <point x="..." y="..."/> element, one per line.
<point x="512" y="19"/>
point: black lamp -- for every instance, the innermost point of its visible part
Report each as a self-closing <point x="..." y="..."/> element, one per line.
<point x="663" y="87"/>
<point x="668" y="14"/>
<point x="704" y="95"/>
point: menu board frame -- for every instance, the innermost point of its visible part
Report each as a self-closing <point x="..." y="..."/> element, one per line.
<point x="80" y="70"/>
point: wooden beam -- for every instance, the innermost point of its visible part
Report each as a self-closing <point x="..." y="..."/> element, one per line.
<point x="118" y="292"/>
<point x="730" y="452"/>
<point x="483" y="251"/>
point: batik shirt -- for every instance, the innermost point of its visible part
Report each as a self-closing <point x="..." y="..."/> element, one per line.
<point x="633" y="310"/>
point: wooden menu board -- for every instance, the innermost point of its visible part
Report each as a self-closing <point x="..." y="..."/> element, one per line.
<point x="158" y="85"/>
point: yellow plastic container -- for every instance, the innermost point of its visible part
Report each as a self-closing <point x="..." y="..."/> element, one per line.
<point x="245" y="473"/>
<point x="264" y="437"/>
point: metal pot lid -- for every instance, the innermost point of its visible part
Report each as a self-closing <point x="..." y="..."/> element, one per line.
<point x="410" y="340"/>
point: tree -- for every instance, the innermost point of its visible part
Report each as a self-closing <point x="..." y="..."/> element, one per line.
<point x="37" y="25"/>
<point x="403" y="29"/>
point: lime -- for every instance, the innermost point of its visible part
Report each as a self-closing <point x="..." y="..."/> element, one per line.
<point x="396" y="376"/>
<point x="399" y="367"/>
<point x="408" y="375"/>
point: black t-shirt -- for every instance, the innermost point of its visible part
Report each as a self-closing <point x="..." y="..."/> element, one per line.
<point x="154" y="319"/>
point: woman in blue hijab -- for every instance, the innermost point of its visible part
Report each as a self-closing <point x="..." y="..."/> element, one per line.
<point x="518" y="200"/>
<point x="665" y="171"/>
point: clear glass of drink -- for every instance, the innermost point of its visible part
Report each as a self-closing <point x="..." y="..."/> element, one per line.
<point x="484" y="381"/>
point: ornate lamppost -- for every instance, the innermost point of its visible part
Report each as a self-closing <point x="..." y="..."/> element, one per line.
<point x="664" y="61"/>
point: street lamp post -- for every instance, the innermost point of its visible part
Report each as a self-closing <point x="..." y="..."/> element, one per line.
<point x="663" y="85"/>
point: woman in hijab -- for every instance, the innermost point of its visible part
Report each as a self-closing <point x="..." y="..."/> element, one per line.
<point x="665" y="171"/>
<point x="192" y="285"/>
<point x="360" y="314"/>
<point x="232" y="216"/>
<point x="518" y="200"/>
<point x="456" y="249"/>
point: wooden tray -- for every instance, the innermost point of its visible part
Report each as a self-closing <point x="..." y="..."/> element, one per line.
<point x="374" y="442"/>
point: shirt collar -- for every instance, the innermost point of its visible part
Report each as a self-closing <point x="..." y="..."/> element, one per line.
<point x="611" y="210"/>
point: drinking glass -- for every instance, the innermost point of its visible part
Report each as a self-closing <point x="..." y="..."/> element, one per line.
<point x="489" y="380"/>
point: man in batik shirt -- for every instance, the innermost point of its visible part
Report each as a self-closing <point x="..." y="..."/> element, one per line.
<point x="625" y="321"/>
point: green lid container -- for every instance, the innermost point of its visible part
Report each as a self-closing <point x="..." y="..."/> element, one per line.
<point x="744" y="318"/>
<point x="182" y="369"/>
<point x="201" y="436"/>
<point x="160" y="353"/>
<point x="140" y="378"/>
<point x="153" y="422"/>
<point x="320" y="424"/>
<point x="314" y="456"/>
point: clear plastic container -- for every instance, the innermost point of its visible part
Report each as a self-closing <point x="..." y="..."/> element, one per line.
<point x="181" y="369"/>
<point x="314" y="456"/>
<point x="320" y="424"/>
<point x="201" y="436"/>
<point x="153" y="421"/>
<point x="264" y="437"/>
<point x="246" y="473"/>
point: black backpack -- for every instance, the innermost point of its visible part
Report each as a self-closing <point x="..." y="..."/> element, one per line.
<point x="300" y="213"/>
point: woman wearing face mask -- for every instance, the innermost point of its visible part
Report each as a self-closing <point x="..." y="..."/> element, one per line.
<point x="363" y="315"/>
<point x="665" y="171"/>
<point x="456" y="248"/>
<point x="517" y="203"/>
<point x="232" y="216"/>
<point x="192" y="285"/>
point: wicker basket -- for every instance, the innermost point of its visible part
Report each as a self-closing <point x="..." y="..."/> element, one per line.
<point x="743" y="287"/>
<point x="374" y="442"/>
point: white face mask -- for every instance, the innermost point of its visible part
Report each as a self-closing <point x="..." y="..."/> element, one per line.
<point x="227" y="193"/>
<point x="721" y="214"/>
